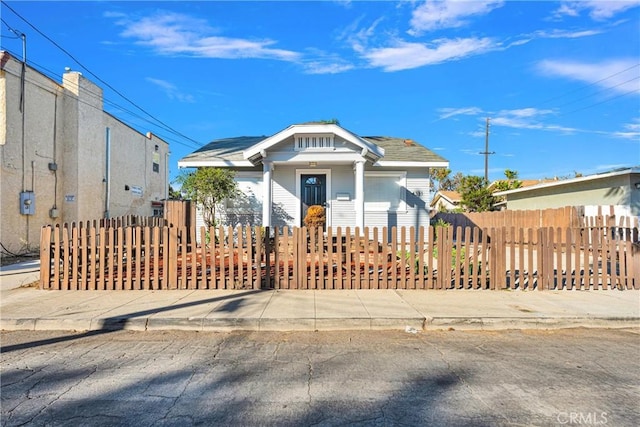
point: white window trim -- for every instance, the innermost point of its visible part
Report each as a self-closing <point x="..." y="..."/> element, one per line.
<point x="299" y="173"/>
<point x="402" y="175"/>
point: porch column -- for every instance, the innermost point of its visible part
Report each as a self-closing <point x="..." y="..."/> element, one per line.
<point x="267" y="169"/>
<point x="359" y="196"/>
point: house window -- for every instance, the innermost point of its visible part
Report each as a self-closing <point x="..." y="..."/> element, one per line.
<point x="250" y="198"/>
<point x="157" y="209"/>
<point x="313" y="142"/>
<point x="156" y="159"/>
<point x="384" y="191"/>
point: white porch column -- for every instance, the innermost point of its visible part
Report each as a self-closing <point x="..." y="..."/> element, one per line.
<point x="267" y="170"/>
<point x="359" y="196"/>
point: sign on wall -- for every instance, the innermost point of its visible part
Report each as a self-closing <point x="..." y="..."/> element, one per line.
<point x="136" y="190"/>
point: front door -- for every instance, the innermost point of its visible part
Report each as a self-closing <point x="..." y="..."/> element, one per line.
<point x="314" y="192"/>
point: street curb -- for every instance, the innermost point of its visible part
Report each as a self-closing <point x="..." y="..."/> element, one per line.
<point x="503" y="323"/>
<point x="413" y="324"/>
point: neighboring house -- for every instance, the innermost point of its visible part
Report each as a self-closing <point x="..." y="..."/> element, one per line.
<point x="361" y="181"/>
<point x="501" y="203"/>
<point x="619" y="188"/>
<point x="65" y="159"/>
<point x="445" y="201"/>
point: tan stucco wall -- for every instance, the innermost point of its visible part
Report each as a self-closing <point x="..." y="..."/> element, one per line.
<point x="614" y="190"/>
<point x="65" y="124"/>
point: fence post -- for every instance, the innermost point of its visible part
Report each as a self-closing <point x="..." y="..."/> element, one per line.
<point x="635" y="260"/>
<point x="267" y="257"/>
<point x="171" y="256"/>
<point x="45" y="256"/>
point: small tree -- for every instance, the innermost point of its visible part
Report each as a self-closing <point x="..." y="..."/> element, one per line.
<point x="174" y="194"/>
<point x="208" y="187"/>
<point x="475" y="194"/>
<point x="445" y="181"/>
<point x="510" y="183"/>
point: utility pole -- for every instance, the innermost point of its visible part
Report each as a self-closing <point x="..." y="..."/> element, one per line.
<point x="486" y="153"/>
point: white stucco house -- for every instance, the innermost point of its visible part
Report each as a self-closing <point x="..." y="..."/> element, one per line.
<point x="361" y="181"/>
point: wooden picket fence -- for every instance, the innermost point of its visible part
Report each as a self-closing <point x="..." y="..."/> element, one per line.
<point x="87" y="256"/>
<point x="565" y="217"/>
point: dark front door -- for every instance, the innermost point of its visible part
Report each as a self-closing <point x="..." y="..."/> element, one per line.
<point x="314" y="192"/>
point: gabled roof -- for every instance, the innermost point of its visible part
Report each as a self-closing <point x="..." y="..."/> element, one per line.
<point x="256" y="152"/>
<point x="383" y="151"/>
<point x="452" y="197"/>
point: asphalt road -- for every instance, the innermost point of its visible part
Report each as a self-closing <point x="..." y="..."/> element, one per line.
<point x="448" y="378"/>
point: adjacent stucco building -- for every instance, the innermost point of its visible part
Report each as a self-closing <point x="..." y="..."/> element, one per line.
<point x="65" y="159"/>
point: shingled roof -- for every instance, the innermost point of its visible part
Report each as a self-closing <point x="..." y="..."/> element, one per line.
<point x="395" y="149"/>
<point x="401" y="149"/>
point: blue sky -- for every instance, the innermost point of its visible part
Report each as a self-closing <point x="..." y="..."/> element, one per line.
<point x="559" y="81"/>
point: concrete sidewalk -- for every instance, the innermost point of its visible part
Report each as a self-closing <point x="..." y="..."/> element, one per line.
<point x="20" y="274"/>
<point x="296" y="310"/>
<point x="28" y="308"/>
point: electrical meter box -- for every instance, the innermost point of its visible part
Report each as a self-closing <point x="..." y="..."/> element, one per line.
<point x="27" y="203"/>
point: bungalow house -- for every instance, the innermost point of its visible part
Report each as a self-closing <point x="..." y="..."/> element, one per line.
<point x="361" y="181"/>
<point x="445" y="201"/>
<point x="619" y="188"/>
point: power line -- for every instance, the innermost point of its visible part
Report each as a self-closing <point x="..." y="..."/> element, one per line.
<point x="17" y="33"/>
<point x="588" y="85"/>
<point x="49" y="73"/>
<point x="64" y="94"/>
<point x="599" y="103"/>
<point x="97" y="77"/>
<point x="597" y="92"/>
<point x="96" y="96"/>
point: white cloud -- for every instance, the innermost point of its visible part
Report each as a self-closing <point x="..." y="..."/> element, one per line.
<point x="321" y="62"/>
<point x="171" y="90"/>
<point x="598" y="10"/>
<point x="360" y="38"/>
<point x="434" y="15"/>
<point x="525" y="112"/>
<point x="320" y="67"/>
<point x="177" y="34"/>
<point x="477" y="134"/>
<point x="447" y="112"/>
<point x="566" y="34"/>
<point x="617" y="75"/>
<point x="527" y="118"/>
<point x="404" y="55"/>
<point x="631" y="131"/>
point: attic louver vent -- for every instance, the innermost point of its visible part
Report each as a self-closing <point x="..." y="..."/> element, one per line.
<point x="313" y="142"/>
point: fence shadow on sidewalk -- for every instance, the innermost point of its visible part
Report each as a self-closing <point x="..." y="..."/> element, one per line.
<point x="118" y="323"/>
